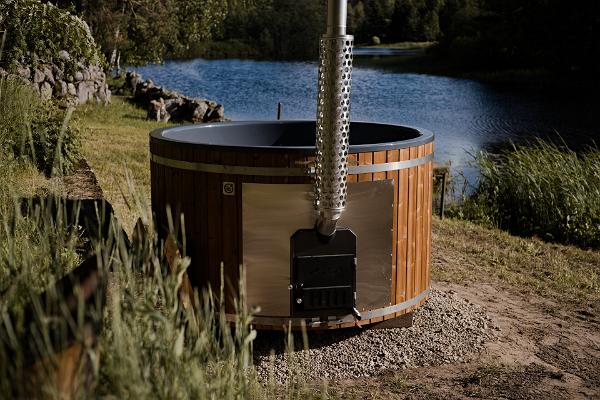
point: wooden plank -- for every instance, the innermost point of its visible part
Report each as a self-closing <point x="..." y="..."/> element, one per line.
<point x="429" y="218"/>
<point x="393" y="156"/>
<point x="365" y="159"/>
<point x="379" y="157"/>
<point x="402" y="238"/>
<point x="229" y="238"/>
<point x="188" y="207"/>
<point x="214" y="223"/>
<point x="376" y="158"/>
<point x="419" y="225"/>
<point x="242" y="158"/>
<point x="199" y="269"/>
<point x="412" y="199"/>
<point x="153" y="186"/>
<point x="352" y="161"/>
<point x="425" y="219"/>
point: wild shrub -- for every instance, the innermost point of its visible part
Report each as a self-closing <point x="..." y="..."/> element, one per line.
<point x="37" y="32"/>
<point x="540" y="189"/>
<point x="37" y="130"/>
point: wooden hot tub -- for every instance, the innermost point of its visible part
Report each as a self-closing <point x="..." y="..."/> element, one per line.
<point x="245" y="188"/>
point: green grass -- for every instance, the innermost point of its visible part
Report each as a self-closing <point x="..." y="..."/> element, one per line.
<point x="115" y="141"/>
<point x="465" y="252"/>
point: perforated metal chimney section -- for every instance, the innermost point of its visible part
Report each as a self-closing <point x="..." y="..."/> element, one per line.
<point x="333" y="119"/>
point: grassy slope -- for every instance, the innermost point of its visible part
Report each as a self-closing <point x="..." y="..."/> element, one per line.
<point x="115" y="143"/>
<point x="464" y="252"/>
<point x="116" y="138"/>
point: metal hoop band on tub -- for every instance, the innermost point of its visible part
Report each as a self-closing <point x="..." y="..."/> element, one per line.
<point x="315" y="323"/>
<point x="273" y="171"/>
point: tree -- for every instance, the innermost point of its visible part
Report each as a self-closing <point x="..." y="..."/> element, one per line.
<point x="378" y="17"/>
<point x="149" y="30"/>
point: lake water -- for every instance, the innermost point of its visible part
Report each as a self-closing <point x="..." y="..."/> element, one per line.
<point x="465" y="115"/>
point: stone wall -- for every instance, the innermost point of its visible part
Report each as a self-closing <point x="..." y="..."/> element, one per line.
<point x="51" y="81"/>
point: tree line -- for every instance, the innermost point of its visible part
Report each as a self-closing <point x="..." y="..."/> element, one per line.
<point x="477" y="34"/>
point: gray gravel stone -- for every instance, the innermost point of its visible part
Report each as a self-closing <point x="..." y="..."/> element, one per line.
<point x="446" y="329"/>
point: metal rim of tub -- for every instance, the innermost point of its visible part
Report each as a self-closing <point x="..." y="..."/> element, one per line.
<point x="421" y="136"/>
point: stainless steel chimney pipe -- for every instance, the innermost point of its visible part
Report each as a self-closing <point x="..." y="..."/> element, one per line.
<point x="333" y="119"/>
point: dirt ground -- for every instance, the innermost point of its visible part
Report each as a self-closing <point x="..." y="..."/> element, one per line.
<point x="543" y="352"/>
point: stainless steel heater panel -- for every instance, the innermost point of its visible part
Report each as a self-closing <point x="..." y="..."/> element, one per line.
<point x="271" y="214"/>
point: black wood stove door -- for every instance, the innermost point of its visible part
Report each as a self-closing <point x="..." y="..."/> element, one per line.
<point x="323" y="274"/>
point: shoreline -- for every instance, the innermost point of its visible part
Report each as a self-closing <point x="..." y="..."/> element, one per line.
<point x="409" y="57"/>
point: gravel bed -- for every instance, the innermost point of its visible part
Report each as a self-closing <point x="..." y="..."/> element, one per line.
<point x="445" y="329"/>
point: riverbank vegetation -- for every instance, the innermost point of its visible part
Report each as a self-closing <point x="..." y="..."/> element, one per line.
<point x="471" y="34"/>
<point x="539" y="189"/>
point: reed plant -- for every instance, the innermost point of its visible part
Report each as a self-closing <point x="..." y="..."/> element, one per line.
<point x="539" y="189"/>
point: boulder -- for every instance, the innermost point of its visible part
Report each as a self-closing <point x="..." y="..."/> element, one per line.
<point x="48" y="75"/>
<point x="217" y="114"/>
<point x="86" y="75"/>
<point x="24" y="72"/>
<point x="71" y="89"/>
<point x="64" y="55"/>
<point x="166" y="105"/>
<point x="38" y="76"/>
<point x="61" y="89"/>
<point x="175" y="107"/>
<point x="158" y="111"/>
<point x="103" y="95"/>
<point x="132" y="80"/>
<point x="58" y="73"/>
<point x="200" y="109"/>
<point x="46" y="91"/>
<point x="85" y="92"/>
<point x="78" y="76"/>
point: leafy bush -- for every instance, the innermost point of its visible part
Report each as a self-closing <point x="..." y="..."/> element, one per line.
<point x="540" y="189"/>
<point x="37" y="32"/>
<point x="35" y="129"/>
